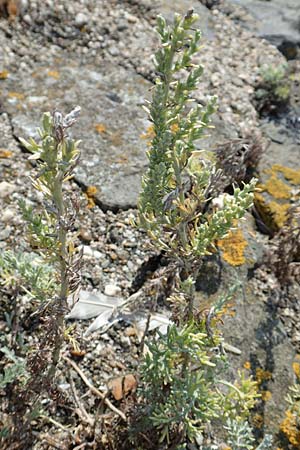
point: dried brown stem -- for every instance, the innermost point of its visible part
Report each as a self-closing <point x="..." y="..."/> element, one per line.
<point x="95" y="390"/>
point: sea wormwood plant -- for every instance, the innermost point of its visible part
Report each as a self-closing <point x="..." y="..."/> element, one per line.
<point x="178" y="186"/>
<point x="181" y="370"/>
<point x="49" y="228"/>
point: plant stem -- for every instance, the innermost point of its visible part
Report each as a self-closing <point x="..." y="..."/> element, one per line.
<point x="63" y="269"/>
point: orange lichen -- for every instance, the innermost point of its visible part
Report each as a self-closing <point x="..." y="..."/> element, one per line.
<point x="233" y="247"/>
<point x="296" y="369"/>
<point x="90" y="195"/>
<point x="17" y="95"/>
<point x="292" y="175"/>
<point x="266" y="395"/>
<point x="91" y="191"/>
<point x="262" y="375"/>
<point x="290" y="427"/>
<point x="100" y="128"/>
<point x="149" y="133"/>
<point x="5" y="153"/>
<point x="277" y="188"/>
<point x="3" y="74"/>
<point x="247" y="365"/>
<point x="53" y="74"/>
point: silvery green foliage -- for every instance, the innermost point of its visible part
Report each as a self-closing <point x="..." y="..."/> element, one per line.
<point x="183" y="386"/>
<point x="28" y="273"/>
<point x="49" y="226"/>
<point x="239" y="435"/>
<point x="178" y="398"/>
<point x="14" y="370"/>
<point x="177" y="188"/>
<point x="181" y="370"/>
<point x="266" y="444"/>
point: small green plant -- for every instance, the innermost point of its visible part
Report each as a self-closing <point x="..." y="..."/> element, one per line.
<point x="49" y="229"/>
<point x="51" y="275"/>
<point x="15" y="370"/>
<point x="273" y="91"/>
<point x="290" y="426"/>
<point x="181" y="372"/>
<point x="27" y="273"/>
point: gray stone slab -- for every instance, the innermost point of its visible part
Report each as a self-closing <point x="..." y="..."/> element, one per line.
<point x="110" y="127"/>
<point x="275" y="20"/>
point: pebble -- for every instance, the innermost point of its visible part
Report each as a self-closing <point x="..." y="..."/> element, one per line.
<point x="81" y="19"/>
<point x="5" y="233"/>
<point x="6" y="189"/>
<point x="114" y="51"/>
<point x="27" y="19"/>
<point x="112" y="290"/>
<point x="88" y="251"/>
<point x="8" y="215"/>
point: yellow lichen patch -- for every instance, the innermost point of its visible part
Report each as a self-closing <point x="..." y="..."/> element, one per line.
<point x="233" y="247"/>
<point x="290" y="428"/>
<point x="266" y="395"/>
<point x="149" y="133"/>
<point x="17" y="95"/>
<point x="292" y="175"/>
<point x="273" y="213"/>
<point x="262" y="375"/>
<point x="3" y="74"/>
<point x="296" y="369"/>
<point x="247" y="365"/>
<point x="100" y="128"/>
<point x="90" y="195"/>
<point x="53" y="74"/>
<point x="277" y="188"/>
<point x="5" y="153"/>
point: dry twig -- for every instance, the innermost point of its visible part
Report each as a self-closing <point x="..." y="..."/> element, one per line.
<point x="95" y="390"/>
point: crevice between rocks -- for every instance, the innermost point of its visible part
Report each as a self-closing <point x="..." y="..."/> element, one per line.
<point x="14" y="136"/>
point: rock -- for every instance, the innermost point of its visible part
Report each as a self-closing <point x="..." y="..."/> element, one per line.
<point x="279" y="170"/>
<point x="266" y="350"/>
<point x="112" y="290"/>
<point x="27" y="19"/>
<point x="90" y="252"/>
<point x="81" y="20"/>
<point x="6" y="189"/>
<point x="113" y="154"/>
<point x="254" y="335"/>
<point x="8" y="215"/>
<point x="277" y="21"/>
<point x="5" y="233"/>
<point x="121" y="386"/>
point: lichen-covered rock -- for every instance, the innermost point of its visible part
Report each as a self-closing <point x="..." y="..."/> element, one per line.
<point x="279" y="171"/>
